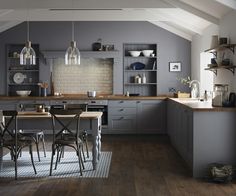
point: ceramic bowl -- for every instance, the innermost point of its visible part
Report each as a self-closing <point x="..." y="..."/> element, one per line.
<point x="147" y="53"/>
<point x="23" y="93"/>
<point x="134" y="53"/>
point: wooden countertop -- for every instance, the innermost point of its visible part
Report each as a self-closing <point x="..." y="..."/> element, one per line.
<point x="33" y="114"/>
<point x="197" y="105"/>
<point x="84" y="97"/>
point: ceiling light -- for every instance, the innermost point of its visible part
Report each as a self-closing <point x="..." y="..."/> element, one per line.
<point x="72" y="56"/>
<point x="27" y="55"/>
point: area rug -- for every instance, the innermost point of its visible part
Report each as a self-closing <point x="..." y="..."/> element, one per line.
<point x="68" y="167"/>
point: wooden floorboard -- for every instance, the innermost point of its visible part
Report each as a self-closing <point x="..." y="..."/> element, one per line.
<point x="142" y="165"/>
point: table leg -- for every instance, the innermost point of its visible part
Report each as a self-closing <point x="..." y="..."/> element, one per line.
<point x="96" y="132"/>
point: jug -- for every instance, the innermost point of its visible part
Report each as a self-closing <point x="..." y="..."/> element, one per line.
<point x="220" y="94"/>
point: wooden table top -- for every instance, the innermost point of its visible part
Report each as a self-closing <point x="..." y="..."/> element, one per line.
<point x="34" y="114"/>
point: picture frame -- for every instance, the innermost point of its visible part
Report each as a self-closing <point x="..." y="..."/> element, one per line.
<point x="175" y="66"/>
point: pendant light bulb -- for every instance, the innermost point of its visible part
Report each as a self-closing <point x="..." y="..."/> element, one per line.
<point x="27" y="55"/>
<point x="72" y="56"/>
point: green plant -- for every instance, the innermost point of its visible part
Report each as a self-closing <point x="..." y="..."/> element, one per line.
<point x="186" y="81"/>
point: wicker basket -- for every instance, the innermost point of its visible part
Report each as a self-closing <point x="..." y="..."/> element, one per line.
<point x="181" y="95"/>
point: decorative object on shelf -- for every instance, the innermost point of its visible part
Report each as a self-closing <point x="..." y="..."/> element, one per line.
<point x="18" y="78"/>
<point x="23" y="93"/>
<point x="214" y="41"/>
<point x="154" y="65"/>
<point x="147" y="53"/>
<point x="44" y="86"/>
<point x="223" y="40"/>
<point x="134" y="53"/>
<point x="97" y="46"/>
<point x="108" y="47"/>
<point x="27" y="55"/>
<point x="174" y="66"/>
<point x="137" y="79"/>
<point x="144" y="79"/>
<point x="137" y="66"/>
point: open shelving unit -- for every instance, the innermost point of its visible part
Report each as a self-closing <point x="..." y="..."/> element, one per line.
<point x="215" y="51"/>
<point x="30" y="72"/>
<point x="150" y="70"/>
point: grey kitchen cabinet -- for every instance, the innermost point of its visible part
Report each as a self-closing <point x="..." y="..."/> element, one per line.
<point x="132" y="69"/>
<point x="202" y="137"/>
<point x="122" y="116"/>
<point x="21" y="77"/>
<point x="180" y="129"/>
<point x="151" y="116"/>
<point x="137" y="116"/>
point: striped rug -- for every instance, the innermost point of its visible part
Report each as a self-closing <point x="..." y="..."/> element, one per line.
<point x="68" y="167"/>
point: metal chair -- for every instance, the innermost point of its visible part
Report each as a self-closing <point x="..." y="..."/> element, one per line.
<point x="9" y="138"/>
<point x="36" y="135"/>
<point x="68" y="120"/>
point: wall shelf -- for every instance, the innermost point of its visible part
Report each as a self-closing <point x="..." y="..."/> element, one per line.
<point x="221" y="47"/>
<point x="228" y="67"/>
<point x="149" y="71"/>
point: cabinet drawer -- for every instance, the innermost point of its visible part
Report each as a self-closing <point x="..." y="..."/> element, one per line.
<point x="121" y="111"/>
<point x="122" y="103"/>
<point x="123" y="123"/>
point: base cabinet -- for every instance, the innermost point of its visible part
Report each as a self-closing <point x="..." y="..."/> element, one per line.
<point x="137" y="116"/>
<point x="151" y="116"/>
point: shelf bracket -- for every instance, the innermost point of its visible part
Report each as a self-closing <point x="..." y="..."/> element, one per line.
<point x="231" y="69"/>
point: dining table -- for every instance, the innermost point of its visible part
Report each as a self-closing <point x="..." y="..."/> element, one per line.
<point x="94" y="125"/>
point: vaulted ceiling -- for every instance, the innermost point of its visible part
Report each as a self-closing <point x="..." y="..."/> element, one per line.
<point x="182" y="17"/>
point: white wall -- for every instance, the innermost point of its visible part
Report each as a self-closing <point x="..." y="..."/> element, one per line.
<point x="203" y="42"/>
<point x="227" y="29"/>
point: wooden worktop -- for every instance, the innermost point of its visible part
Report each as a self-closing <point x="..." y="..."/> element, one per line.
<point x="84" y="97"/>
<point x="197" y="105"/>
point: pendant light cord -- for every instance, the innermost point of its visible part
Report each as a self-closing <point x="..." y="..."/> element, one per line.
<point x="27" y="30"/>
<point x="73" y="31"/>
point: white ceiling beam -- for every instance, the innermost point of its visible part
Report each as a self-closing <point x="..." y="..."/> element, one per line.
<point x="176" y="20"/>
<point x="8" y="25"/>
<point x="172" y="30"/>
<point x="82" y="4"/>
<point x="228" y="3"/>
<point x="193" y="10"/>
<point x="114" y="15"/>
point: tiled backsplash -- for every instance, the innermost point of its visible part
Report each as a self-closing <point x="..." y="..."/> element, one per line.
<point x="91" y="74"/>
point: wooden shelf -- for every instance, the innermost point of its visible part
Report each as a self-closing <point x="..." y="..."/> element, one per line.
<point x="142" y="70"/>
<point x="140" y="84"/>
<point x="24" y="70"/>
<point x="222" y="47"/>
<point x="228" y="67"/>
<point x="24" y="84"/>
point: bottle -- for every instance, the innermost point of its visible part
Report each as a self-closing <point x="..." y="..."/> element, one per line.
<point x="144" y="79"/>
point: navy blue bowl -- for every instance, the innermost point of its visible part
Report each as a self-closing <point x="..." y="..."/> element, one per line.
<point x="137" y="66"/>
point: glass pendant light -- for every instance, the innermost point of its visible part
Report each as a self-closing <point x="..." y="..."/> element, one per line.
<point x="72" y="56"/>
<point x="27" y="55"/>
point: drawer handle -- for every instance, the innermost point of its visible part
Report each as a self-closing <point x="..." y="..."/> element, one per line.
<point x="121" y="118"/>
<point x="121" y="110"/>
<point x="121" y="101"/>
<point x="138" y="101"/>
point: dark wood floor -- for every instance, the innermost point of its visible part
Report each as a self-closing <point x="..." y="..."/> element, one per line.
<point x="141" y="166"/>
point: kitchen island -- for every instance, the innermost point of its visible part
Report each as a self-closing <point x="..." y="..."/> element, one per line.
<point x="202" y="134"/>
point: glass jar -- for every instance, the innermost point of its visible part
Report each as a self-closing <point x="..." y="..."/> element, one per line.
<point x="220" y="94"/>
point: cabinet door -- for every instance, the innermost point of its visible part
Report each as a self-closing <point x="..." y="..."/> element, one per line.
<point x="151" y="116"/>
<point x="122" y="124"/>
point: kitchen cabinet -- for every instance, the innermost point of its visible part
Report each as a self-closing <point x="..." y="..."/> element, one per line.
<point x="122" y="116"/>
<point x="137" y="116"/>
<point x="221" y="50"/>
<point x="149" y="86"/>
<point x="202" y="137"/>
<point x="180" y="130"/>
<point x="21" y="77"/>
<point x="151" y="116"/>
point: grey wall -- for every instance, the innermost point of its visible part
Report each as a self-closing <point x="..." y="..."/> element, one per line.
<point x="57" y="35"/>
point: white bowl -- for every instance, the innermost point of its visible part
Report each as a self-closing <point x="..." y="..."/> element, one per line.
<point x="23" y="93"/>
<point x="147" y="53"/>
<point x="135" y="53"/>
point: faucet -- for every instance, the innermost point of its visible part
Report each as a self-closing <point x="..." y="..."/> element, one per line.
<point x="195" y="88"/>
